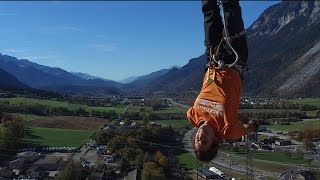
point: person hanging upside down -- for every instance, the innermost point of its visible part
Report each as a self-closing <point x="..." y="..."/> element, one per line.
<point x="215" y="111"/>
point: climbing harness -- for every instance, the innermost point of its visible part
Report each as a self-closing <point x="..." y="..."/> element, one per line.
<point x="218" y="63"/>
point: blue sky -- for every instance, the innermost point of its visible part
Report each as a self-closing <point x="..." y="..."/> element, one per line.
<point x="110" y="39"/>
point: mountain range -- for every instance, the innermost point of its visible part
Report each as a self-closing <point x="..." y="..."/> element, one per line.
<point x="48" y="78"/>
<point x="57" y="79"/>
<point x="284" y="55"/>
<point x="10" y="82"/>
<point x="284" y="60"/>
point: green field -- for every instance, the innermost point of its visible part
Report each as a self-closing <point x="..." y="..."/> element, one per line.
<point x="173" y="123"/>
<point x="138" y="108"/>
<point x="169" y="110"/>
<point x="32" y="101"/>
<point x="296" y="126"/>
<point x="310" y="101"/>
<point x="268" y="110"/>
<point x="188" y="160"/>
<point x="274" y="156"/>
<point x="54" y="104"/>
<point x="58" y="137"/>
<point x="279" y="157"/>
<point x="117" y="109"/>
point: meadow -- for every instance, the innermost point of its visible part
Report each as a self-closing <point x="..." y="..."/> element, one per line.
<point x="21" y="101"/>
<point x="296" y="126"/>
<point x="57" y="137"/>
<point x="309" y="101"/>
<point x="27" y="117"/>
<point x="174" y="123"/>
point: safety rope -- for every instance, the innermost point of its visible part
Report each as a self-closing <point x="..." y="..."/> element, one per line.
<point x="216" y="63"/>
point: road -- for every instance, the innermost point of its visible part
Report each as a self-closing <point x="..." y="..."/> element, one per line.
<point x="126" y="109"/>
<point x="187" y="140"/>
<point x="293" y="173"/>
<point x="226" y="161"/>
<point x="80" y="154"/>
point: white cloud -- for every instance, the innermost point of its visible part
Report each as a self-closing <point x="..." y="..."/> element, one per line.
<point x="104" y="47"/>
<point x="45" y="57"/>
<point x="12" y="50"/>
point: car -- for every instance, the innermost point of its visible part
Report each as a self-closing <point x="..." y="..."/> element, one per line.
<point x="109" y="159"/>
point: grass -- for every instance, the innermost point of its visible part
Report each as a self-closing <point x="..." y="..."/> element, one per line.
<point x="32" y="101"/>
<point x="268" y="110"/>
<point x="169" y="110"/>
<point x="296" y="126"/>
<point x="311" y="113"/>
<point x="272" y="166"/>
<point x="54" y="104"/>
<point x="58" y="137"/>
<point x="117" y="109"/>
<point x="279" y="157"/>
<point x="276" y="157"/>
<point x="309" y="101"/>
<point x="138" y="108"/>
<point x="188" y="160"/>
<point x="173" y="123"/>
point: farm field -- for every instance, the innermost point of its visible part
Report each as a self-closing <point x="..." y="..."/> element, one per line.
<point x="173" y="123"/>
<point x="27" y="117"/>
<point x="309" y="101"/>
<point x="278" y="157"/>
<point x="58" y="137"/>
<point x="32" y="101"/>
<point x="170" y="110"/>
<point x="69" y="122"/>
<point x="269" y="110"/>
<point x="21" y="101"/>
<point x="138" y="108"/>
<point x="296" y="126"/>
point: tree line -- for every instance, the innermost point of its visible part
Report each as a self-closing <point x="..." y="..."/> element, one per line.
<point x="148" y="148"/>
<point x="12" y="132"/>
<point x="280" y="105"/>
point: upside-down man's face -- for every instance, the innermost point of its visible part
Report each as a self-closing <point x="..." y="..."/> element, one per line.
<point x="204" y="137"/>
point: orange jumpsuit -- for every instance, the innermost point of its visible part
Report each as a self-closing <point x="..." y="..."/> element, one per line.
<point x="218" y="103"/>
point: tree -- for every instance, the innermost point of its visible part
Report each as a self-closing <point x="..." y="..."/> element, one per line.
<point x="161" y="159"/>
<point x="72" y="171"/>
<point x="151" y="171"/>
<point x="308" y="144"/>
<point x="147" y="157"/>
<point x="127" y="122"/>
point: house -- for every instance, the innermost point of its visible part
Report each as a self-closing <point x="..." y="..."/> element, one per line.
<point x="29" y="155"/>
<point x="5" y="172"/>
<point x="17" y="164"/>
<point x="252" y="137"/>
<point x="24" y="158"/>
<point x="50" y="163"/>
<point x="203" y="173"/>
<point x="240" y="144"/>
<point x="269" y="141"/>
<point x="37" y="172"/>
<point x="49" y="167"/>
<point x="282" y="142"/>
